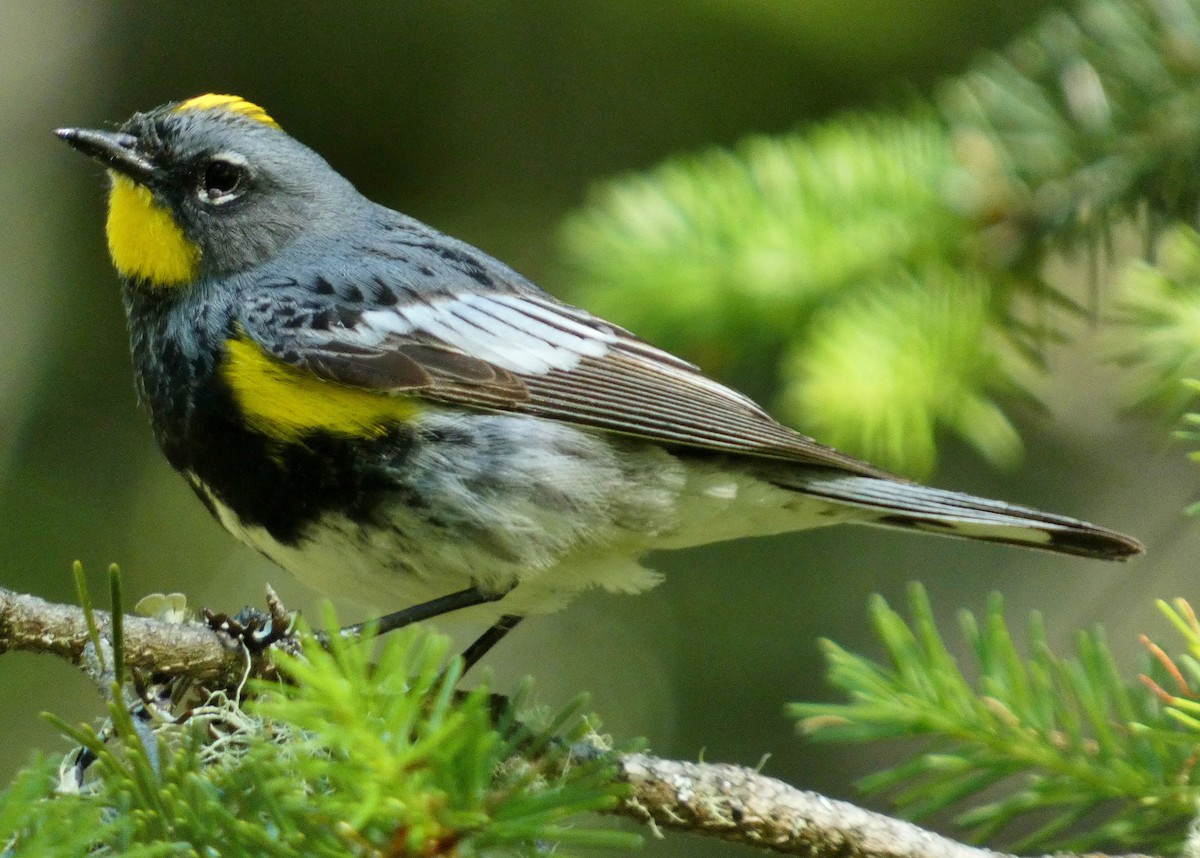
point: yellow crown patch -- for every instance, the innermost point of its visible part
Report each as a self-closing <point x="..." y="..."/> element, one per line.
<point x="232" y="103"/>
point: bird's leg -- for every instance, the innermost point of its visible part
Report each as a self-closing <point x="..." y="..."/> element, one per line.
<point x="467" y="598"/>
<point x="489" y="639"/>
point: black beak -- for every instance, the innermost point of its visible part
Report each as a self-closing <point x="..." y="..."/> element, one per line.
<point x="112" y="149"/>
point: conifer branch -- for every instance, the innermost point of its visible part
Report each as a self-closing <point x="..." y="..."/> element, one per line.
<point x="1058" y="748"/>
<point x="726" y="802"/>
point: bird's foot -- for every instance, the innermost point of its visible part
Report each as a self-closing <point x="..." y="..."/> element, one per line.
<point x="257" y="629"/>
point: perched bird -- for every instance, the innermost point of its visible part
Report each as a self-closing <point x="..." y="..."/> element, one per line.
<point x="395" y="416"/>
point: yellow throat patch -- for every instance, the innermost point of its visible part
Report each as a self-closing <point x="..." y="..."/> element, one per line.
<point x="143" y="239"/>
<point x="286" y="403"/>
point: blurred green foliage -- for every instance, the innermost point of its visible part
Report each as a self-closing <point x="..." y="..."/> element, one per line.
<point x="1160" y="302"/>
<point x="834" y="248"/>
<point x="887" y="263"/>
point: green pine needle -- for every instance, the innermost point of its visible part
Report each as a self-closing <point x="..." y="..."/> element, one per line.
<point x="367" y="750"/>
<point x="1067" y="745"/>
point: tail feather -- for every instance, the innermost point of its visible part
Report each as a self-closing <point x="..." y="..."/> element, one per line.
<point x="916" y="507"/>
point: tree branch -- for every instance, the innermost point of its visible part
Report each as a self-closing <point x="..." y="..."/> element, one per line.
<point x="727" y="802"/>
<point x="741" y="805"/>
<point x="30" y="624"/>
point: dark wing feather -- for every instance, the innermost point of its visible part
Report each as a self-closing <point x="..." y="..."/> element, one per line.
<point x="521" y="351"/>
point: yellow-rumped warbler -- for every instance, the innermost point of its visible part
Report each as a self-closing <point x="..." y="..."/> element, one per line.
<point x="393" y="415"/>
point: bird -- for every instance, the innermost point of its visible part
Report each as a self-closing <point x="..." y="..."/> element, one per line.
<point x="394" y="416"/>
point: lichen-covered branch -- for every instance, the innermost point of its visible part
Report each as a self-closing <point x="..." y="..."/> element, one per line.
<point x="30" y="624"/>
<point x="742" y="805"/>
<point x="727" y="802"/>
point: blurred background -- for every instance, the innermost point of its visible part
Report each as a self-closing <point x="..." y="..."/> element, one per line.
<point x="491" y="121"/>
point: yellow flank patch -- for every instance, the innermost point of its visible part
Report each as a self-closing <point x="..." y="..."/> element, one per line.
<point x="144" y="240"/>
<point x="232" y="103"/>
<point x="286" y="403"/>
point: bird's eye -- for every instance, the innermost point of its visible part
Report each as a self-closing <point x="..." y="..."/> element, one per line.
<point x="223" y="179"/>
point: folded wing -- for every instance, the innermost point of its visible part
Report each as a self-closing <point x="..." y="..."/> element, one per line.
<point x="524" y="352"/>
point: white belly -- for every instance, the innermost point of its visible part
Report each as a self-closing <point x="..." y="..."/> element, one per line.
<point x="578" y="513"/>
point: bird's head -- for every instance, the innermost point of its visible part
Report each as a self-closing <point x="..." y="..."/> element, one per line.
<point x="207" y="187"/>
